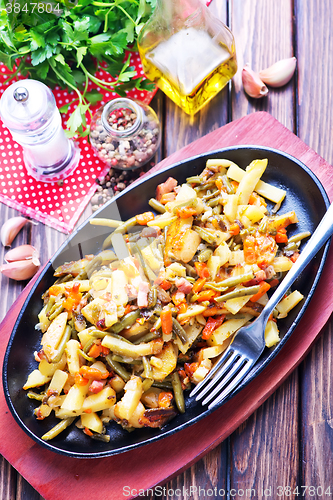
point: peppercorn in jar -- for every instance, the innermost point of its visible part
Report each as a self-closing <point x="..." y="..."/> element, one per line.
<point x="125" y="134"/>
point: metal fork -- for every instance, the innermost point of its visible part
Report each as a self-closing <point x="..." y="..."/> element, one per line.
<point x="249" y="341"/>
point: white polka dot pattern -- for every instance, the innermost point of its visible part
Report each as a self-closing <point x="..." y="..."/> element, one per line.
<point x="51" y="203"/>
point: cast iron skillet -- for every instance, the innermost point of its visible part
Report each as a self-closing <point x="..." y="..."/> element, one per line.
<point x="305" y="195"/>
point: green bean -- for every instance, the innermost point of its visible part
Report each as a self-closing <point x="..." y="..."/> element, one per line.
<point x="129" y="361"/>
<point x="125" y="226"/>
<point x="162" y="385"/>
<point x="157" y="325"/>
<point x="147" y="338"/>
<point x="236" y="280"/>
<point x="178" y="392"/>
<point x="227" y="184"/>
<point x="101" y="437"/>
<point x="50" y="304"/>
<point x="179" y="331"/>
<point x="156" y="205"/>
<point x="88" y="345"/>
<point x="298" y="237"/>
<point x="64" y="279"/>
<point x="128" y="320"/>
<point x="99" y="334"/>
<point x="34" y="395"/>
<point x="62" y="344"/>
<point x="211" y="195"/>
<point x="195" y="179"/>
<point x="206" y="235"/>
<point x="119" y="337"/>
<point x="81" y="276"/>
<point x="213" y="202"/>
<point x="93" y="264"/>
<point x="61" y="426"/>
<point x="250" y="290"/>
<point x="290" y="247"/>
<point x="85" y="356"/>
<point x="204" y="255"/>
<point x="152" y="297"/>
<point x="105" y="222"/>
<point x="205" y="186"/>
<point x="215" y="286"/>
<point x="118" y="368"/>
<point x="56" y="311"/>
<point x="147" y="371"/>
<point x="146" y="384"/>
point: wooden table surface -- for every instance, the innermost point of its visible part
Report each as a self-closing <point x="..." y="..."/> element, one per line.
<point x="286" y="445"/>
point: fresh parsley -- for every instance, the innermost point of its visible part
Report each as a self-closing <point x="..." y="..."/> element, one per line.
<point x="68" y="44"/>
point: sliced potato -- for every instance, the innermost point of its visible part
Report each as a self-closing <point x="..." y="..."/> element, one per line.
<point x="169" y="357"/>
<point x="227" y="329"/>
<point x="125" y="408"/>
<point x="92" y="422"/>
<point x="53" y="334"/>
<point x="101" y="401"/>
<point x="36" y="379"/>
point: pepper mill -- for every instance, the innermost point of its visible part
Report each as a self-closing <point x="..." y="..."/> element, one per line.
<point x="28" y="109"/>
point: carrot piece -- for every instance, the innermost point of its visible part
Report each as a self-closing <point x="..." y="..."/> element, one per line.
<point x="87" y="431"/>
<point x="166" y="197"/>
<point x="92" y="373"/>
<point x="142" y="219"/>
<point x="165" y="284"/>
<point x="185" y="212"/>
<point x="166" y="320"/>
<point x="264" y="287"/>
<point x="281" y="236"/>
<point x="234" y="229"/>
<point x="190" y="368"/>
<point x="202" y="269"/>
<point x="206" y="295"/>
<point x="294" y="257"/>
<point x="211" y="311"/>
<point x="219" y="184"/>
<point x="182" y="307"/>
<point x="95" y="350"/>
<point x="79" y="380"/>
<point x="249" y="248"/>
<point x="105" y="350"/>
<point x="274" y="282"/>
<point x="197" y="287"/>
<point x="211" y="325"/>
<point x="164" y="399"/>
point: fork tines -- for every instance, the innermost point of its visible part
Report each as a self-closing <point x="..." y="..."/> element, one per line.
<point x="231" y="368"/>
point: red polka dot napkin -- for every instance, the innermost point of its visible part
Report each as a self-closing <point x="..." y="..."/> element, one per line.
<point x="58" y="206"/>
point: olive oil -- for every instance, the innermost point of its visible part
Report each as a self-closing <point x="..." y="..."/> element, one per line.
<point x="191" y="67"/>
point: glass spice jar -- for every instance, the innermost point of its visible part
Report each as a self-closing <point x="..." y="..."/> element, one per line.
<point x="125" y="134"/>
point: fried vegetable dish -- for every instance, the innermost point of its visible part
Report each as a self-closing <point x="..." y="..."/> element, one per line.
<point x="127" y="331"/>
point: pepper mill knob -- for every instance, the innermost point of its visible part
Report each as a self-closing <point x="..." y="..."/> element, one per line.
<point x="21" y="94"/>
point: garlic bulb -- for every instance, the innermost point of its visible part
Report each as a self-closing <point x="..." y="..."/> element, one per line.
<point x="252" y="83"/>
<point x="279" y="73"/>
<point x="20" y="270"/>
<point x="21" y="252"/>
<point x="10" y="229"/>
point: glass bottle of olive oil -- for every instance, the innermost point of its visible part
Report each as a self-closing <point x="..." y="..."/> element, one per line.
<point x="187" y="52"/>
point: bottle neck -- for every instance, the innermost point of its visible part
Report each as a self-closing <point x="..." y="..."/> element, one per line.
<point x="122" y="118"/>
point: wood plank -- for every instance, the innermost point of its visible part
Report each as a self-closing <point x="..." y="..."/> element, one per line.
<point x="314" y="24"/>
<point x="181" y="130"/>
<point x="261" y="453"/>
<point x="264" y="35"/>
<point x="160" y="458"/>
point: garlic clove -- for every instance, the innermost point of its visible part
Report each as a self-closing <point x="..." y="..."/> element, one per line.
<point x="252" y="83"/>
<point x="21" y="269"/>
<point x="21" y="252"/>
<point x="279" y="73"/>
<point x="10" y="229"/>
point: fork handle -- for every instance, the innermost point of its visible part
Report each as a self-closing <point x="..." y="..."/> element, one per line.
<point x="323" y="231"/>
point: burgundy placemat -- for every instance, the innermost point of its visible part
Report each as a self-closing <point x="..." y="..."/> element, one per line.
<point x="129" y="474"/>
<point x="58" y="205"/>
